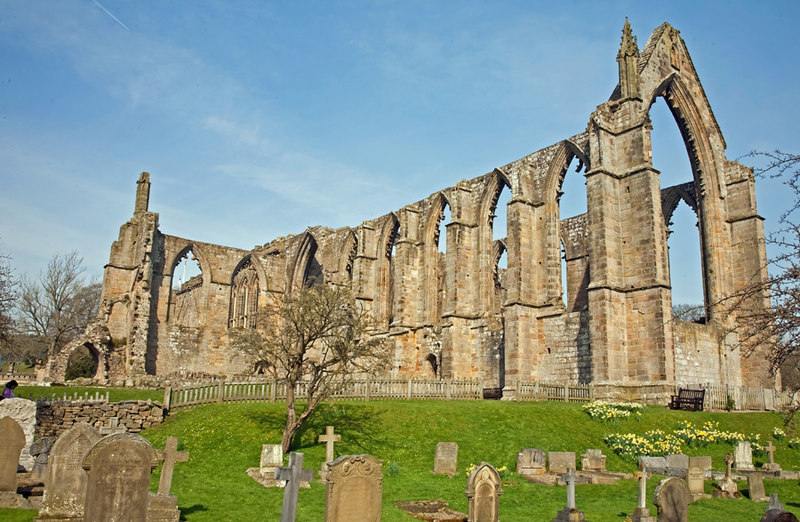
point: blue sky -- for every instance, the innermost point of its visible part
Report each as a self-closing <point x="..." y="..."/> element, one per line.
<point x="258" y="119"/>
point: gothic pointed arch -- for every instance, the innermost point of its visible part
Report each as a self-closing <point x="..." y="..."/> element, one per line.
<point x="244" y="294"/>
<point x="303" y="263"/>
<point x="186" y="303"/>
<point x="347" y="260"/>
<point x="431" y="263"/>
<point x="384" y="276"/>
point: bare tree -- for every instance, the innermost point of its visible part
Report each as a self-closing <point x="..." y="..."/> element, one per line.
<point x="318" y="339"/>
<point x="57" y="307"/>
<point x="8" y="297"/>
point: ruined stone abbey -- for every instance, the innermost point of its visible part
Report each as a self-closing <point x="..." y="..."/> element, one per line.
<point x="452" y="312"/>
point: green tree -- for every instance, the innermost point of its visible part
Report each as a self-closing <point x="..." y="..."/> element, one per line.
<point x="318" y="338"/>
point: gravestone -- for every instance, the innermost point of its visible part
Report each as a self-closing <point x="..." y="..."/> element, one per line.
<point x="531" y="462"/>
<point x="293" y="475"/>
<point x="163" y="507"/>
<point x="118" y="484"/>
<point x="642" y="512"/>
<point x="354" y="490"/>
<point x="775" y="511"/>
<point x="13" y="440"/>
<point x="561" y="461"/>
<point x="65" y="484"/>
<point x="743" y="456"/>
<point x="755" y="485"/>
<point x="672" y="497"/>
<point x="593" y="460"/>
<point x="113" y="427"/>
<point x="483" y="493"/>
<point x="40" y="451"/>
<point x="23" y="411"/>
<point x="329" y="438"/>
<point x="271" y="460"/>
<point x="696" y="476"/>
<point x="726" y="487"/>
<point x="657" y="465"/>
<point x="677" y="465"/>
<point x="770" y="465"/>
<point x="446" y="460"/>
<point x="570" y="512"/>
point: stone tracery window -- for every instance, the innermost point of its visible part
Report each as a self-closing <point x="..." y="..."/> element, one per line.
<point x="244" y="297"/>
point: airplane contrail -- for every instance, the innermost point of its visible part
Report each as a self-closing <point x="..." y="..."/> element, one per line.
<point x="95" y="2"/>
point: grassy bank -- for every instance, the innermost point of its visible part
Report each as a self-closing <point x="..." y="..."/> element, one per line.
<point x="224" y="440"/>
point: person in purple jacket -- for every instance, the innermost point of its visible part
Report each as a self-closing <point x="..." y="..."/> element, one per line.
<point x="8" y="392"/>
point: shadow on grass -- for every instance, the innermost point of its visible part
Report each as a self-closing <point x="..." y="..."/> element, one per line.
<point x="192" y="509"/>
<point x="357" y="424"/>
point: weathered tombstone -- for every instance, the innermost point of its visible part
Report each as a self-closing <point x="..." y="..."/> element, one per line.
<point x="743" y="456"/>
<point x="657" y="465"/>
<point x="113" y="427"/>
<point x="677" y="465"/>
<point x="23" y="411"/>
<point x="446" y="459"/>
<point x="593" y="460"/>
<point x="65" y="484"/>
<point x="642" y="512"/>
<point x="271" y="460"/>
<point x="293" y="475"/>
<point x="40" y="451"/>
<point x="531" y="462"/>
<point x="755" y="485"/>
<point x="696" y="476"/>
<point x="354" y="490"/>
<point x="13" y="441"/>
<point x="329" y="438"/>
<point x="570" y="512"/>
<point x="672" y="497"/>
<point x="163" y="507"/>
<point x="483" y="493"/>
<point x="770" y="465"/>
<point x="726" y="487"/>
<point x="775" y="511"/>
<point x="118" y="486"/>
<point x="561" y="461"/>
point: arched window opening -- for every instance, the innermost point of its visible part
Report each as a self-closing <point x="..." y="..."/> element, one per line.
<point x="314" y="273"/>
<point x="243" y="311"/>
<point x="500" y="220"/>
<point x="500" y="286"/>
<point x="441" y="262"/>
<point x="572" y="203"/>
<point x="186" y="295"/>
<point x="433" y="365"/>
<point x="82" y="363"/>
<point x="684" y="239"/>
<point x="683" y="243"/>
<point x="392" y="278"/>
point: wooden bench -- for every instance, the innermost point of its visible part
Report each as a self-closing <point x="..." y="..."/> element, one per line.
<point x="687" y="400"/>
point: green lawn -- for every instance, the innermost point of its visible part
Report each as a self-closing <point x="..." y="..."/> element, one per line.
<point x="114" y="394"/>
<point x="224" y="440"/>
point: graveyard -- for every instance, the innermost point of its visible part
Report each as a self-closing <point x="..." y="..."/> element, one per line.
<point x="213" y="446"/>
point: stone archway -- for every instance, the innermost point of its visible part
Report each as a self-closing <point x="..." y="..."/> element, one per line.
<point x="98" y="341"/>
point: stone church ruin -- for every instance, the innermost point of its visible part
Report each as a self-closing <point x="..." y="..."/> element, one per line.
<point x="454" y="312"/>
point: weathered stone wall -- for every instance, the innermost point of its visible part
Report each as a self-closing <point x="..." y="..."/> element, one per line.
<point x="451" y="311"/>
<point x="54" y="418"/>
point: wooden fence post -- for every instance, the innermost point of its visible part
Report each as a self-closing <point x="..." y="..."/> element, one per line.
<point x="408" y="390"/>
<point x="167" y="397"/>
<point x="220" y="392"/>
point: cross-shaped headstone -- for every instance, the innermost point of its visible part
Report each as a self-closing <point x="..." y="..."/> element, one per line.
<point x="113" y="427"/>
<point x="170" y="455"/>
<point x="293" y="475"/>
<point x="642" y="476"/>
<point x="729" y="464"/>
<point x="329" y="438"/>
<point x="770" y="449"/>
<point x="569" y="477"/>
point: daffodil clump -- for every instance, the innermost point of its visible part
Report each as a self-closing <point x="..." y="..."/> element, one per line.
<point x="708" y="433"/>
<point x="504" y="472"/>
<point x="656" y="442"/>
<point x="794" y="442"/>
<point x="612" y="411"/>
<point x="778" y="434"/>
<point x="653" y="442"/>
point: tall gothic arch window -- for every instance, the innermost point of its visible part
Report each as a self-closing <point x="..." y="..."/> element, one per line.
<point x="244" y="297"/>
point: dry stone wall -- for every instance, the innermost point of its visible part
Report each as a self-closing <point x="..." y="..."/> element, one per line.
<point x="55" y="417"/>
<point x="450" y="310"/>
